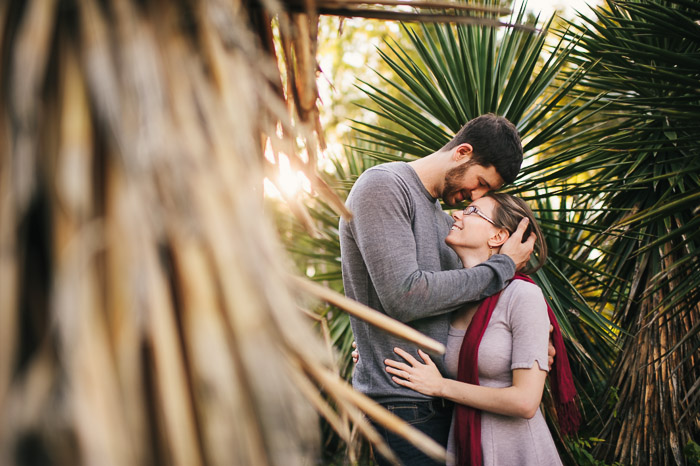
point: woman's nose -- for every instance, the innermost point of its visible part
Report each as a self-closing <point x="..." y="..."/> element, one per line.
<point x="457" y="215"/>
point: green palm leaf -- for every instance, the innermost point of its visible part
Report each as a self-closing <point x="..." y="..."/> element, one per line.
<point x="646" y="71"/>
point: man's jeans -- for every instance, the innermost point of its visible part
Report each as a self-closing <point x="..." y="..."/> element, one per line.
<point x="433" y="418"/>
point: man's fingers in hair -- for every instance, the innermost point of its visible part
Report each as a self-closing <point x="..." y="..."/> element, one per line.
<point x="522" y="226"/>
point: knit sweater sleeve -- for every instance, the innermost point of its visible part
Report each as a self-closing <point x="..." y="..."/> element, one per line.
<point x="386" y="232"/>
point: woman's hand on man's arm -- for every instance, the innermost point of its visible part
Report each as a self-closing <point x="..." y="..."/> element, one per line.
<point x="522" y="399"/>
<point x="423" y="378"/>
<point x="355" y="354"/>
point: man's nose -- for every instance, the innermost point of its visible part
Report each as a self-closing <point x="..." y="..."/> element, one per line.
<point x="457" y="215"/>
<point x="478" y="193"/>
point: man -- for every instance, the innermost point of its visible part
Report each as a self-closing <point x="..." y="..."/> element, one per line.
<point x="395" y="260"/>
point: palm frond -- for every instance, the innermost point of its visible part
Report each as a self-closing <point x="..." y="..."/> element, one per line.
<point x="650" y="237"/>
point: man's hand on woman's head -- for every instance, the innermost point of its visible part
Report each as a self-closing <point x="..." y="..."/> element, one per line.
<point x="515" y="248"/>
<point x="356" y="354"/>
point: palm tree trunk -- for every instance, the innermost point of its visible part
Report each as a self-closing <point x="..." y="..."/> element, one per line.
<point x="655" y="371"/>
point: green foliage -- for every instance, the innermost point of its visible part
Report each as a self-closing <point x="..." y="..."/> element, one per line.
<point x="346" y="53"/>
<point x="613" y="400"/>
<point x="580" y="449"/>
<point x="462" y="72"/>
<point x="641" y="156"/>
<point x="692" y="452"/>
<point x="646" y="153"/>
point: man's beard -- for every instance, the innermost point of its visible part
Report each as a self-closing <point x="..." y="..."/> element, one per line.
<point x="453" y="179"/>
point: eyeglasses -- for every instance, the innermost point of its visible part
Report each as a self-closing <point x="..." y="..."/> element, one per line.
<point x="475" y="210"/>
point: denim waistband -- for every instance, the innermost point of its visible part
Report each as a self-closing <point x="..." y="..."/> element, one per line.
<point x="438" y="404"/>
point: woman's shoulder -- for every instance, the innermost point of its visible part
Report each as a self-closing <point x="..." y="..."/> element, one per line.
<point x="521" y="289"/>
<point x="524" y="297"/>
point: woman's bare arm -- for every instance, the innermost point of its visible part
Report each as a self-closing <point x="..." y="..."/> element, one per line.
<point x="522" y="399"/>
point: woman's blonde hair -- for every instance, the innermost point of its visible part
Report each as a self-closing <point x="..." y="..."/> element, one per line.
<point x="507" y="214"/>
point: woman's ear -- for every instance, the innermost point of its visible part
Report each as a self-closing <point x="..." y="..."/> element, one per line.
<point x="497" y="240"/>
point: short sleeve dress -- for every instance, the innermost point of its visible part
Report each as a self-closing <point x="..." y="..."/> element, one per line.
<point x="516" y="337"/>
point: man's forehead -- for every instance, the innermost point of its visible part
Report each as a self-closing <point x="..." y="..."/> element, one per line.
<point x="491" y="176"/>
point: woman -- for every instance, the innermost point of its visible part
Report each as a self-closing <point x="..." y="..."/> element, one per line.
<point x="499" y="368"/>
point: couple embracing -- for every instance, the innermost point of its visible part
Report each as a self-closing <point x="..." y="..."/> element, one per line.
<point x="462" y="280"/>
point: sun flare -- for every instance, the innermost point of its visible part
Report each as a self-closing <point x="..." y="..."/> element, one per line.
<point x="288" y="182"/>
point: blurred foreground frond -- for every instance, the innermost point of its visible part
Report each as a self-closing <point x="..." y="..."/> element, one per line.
<point x="146" y="315"/>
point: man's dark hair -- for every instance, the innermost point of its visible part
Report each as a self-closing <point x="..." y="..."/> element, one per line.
<point x="495" y="141"/>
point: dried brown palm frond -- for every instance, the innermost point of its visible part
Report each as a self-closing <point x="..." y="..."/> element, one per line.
<point x="379" y="320"/>
<point x="146" y="310"/>
<point x="298" y="31"/>
<point x="408" y="11"/>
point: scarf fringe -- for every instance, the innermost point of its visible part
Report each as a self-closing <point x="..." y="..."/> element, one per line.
<point x="568" y="417"/>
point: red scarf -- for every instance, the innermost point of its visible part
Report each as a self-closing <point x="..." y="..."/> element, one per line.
<point x="468" y="421"/>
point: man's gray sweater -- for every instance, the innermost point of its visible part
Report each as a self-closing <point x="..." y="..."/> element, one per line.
<point x="395" y="260"/>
